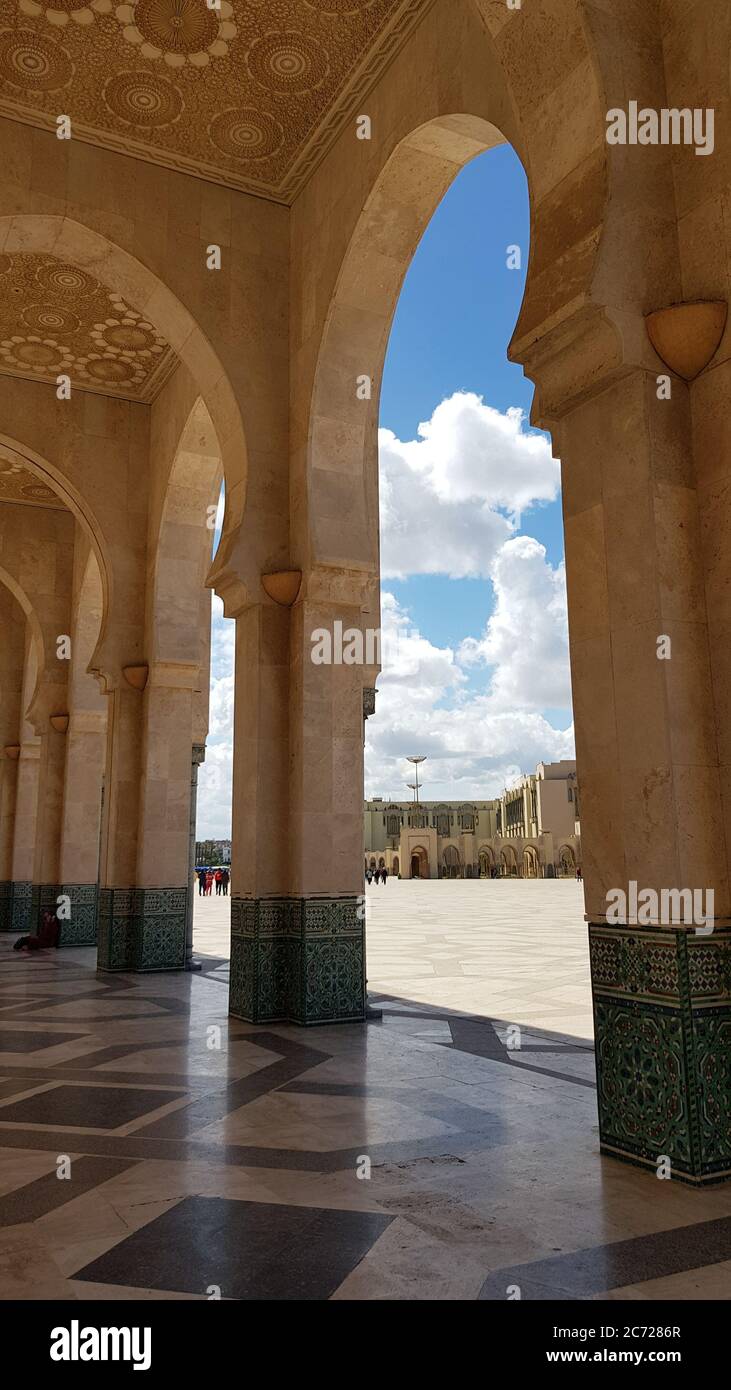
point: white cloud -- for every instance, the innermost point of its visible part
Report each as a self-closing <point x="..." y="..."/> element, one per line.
<point x="450" y="504"/>
<point x="452" y="497"/>
<point x="526" y="637"/>
<point x="474" y="744"/>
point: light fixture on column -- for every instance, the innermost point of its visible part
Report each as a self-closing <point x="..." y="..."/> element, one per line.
<point x="12" y="751"/>
<point x="59" y="722"/>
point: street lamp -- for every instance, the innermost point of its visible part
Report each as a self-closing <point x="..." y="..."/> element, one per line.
<point x="416" y="759"/>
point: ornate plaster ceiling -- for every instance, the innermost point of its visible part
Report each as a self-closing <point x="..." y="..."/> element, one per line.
<point x="18" y="484"/>
<point x="56" y="319"/>
<point x="250" y="93"/>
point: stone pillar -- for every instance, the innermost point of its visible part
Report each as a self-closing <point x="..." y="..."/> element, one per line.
<point x="198" y="756"/>
<point x="12" y="657"/>
<point x="145" y="839"/>
<point x="47" y="856"/>
<point x="297" y="933"/>
<point x="648" y="765"/>
<point x="118" y="896"/>
<point x="85" y="755"/>
<point x="82" y="808"/>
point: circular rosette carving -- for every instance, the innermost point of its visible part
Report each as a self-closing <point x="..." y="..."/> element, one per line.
<point x="143" y="100"/>
<point x="337" y="6"/>
<point x="45" y="318"/>
<point x="65" y="280"/>
<point x="34" y="354"/>
<point x="178" y="31"/>
<point x="291" y="62"/>
<point x="33" y="62"/>
<point x="246" y="133"/>
<point x="59" y="13"/>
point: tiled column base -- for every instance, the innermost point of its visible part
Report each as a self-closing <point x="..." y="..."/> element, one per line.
<point x="662" y="1016"/>
<point x="15" y="907"/>
<point x="141" y="929"/>
<point x="6" y="906"/>
<point x="80" y="928"/>
<point x="297" y="960"/>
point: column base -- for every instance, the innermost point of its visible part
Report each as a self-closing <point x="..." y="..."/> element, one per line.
<point x="141" y="929"/>
<point x="297" y="960"/>
<point x="662" y="1017"/>
<point x="15" y="907"/>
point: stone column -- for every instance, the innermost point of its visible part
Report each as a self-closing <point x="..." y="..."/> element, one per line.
<point x="198" y="756"/>
<point x="648" y="765"/>
<point x="82" y="809"/>
<point x="297" y="931"/>
<point x="12" y="656"/>
<point x="118" y="897"/>
<point x="85" y="755"/>
<point x="143" y="902"/>
<point x="47" y="858"/>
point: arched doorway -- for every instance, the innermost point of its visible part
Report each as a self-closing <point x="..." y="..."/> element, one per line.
<point x="419" y="862"/>
<point x="508" y="862"/>
<point x="531" y="867"/>
<point x="566" y="862"/>
<point x="486" y="861"/>
<point x="451" y="862"/>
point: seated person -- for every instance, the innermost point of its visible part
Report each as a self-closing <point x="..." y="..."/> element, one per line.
<point x="48" y="934"/>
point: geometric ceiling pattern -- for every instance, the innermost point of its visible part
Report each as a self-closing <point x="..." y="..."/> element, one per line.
<point x="18" y="484"/>
<point x="56" y="319"/>
<point x="248" y="93"/>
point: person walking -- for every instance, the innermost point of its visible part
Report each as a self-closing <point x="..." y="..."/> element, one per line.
<point x="209" y="882"/>
<point x="219" y="882"/>
<point x="225" y="878"/>
<point x="384" y="875"/>
<point x="201" y="882"/>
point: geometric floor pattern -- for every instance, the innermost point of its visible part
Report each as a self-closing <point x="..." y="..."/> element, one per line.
<point x="151" y="1146"/>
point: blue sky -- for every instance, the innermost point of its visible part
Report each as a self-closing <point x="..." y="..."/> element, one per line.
<point x="471" y="533"/>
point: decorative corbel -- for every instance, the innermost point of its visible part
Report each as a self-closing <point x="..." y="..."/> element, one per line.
<point x="283" y="586"/>
<point x="136" y="676"/>
<point x="12" y="751"/>
<point x="59" y="722"/>
<point x="687" y="336"/>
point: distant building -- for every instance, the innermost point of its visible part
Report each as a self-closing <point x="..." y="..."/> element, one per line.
<point x="213" y="852"/>
<point x="531" y="831"/>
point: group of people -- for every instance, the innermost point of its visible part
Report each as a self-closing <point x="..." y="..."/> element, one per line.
<point x="379" y="875"/>
<point x="207" y="878"/>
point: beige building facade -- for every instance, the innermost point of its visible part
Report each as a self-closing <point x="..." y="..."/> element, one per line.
<point x="531" y="831"/>
<point x="205" y="221"/>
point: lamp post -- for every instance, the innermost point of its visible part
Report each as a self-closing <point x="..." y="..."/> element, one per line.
<point x="416" y="759"/>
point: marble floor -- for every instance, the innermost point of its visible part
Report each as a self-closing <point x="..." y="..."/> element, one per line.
<point x="152" y="1147"/>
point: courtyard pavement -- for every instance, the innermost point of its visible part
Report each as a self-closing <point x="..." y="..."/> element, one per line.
<point x="515" y="950"/>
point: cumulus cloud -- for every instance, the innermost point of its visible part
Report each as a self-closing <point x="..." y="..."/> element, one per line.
<point x="475" y="745"/>
<point x="526" y="637"/>
<point x="453" y="496"/>
<point x="451" y="503"/>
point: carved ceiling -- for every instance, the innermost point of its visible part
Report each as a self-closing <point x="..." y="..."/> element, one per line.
<point x="250" y="93"/>
<point x="18" y="484"/>
<point x="58" y="320"/>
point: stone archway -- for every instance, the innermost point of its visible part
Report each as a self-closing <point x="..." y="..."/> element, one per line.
<point x="419" y="862"/>
<point x="451" y="862"/>
<point x="567" y="862"/>
<point x="531" y="866"/>
<point x="508" y="862"/>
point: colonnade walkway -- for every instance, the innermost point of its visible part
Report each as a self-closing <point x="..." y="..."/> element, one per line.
<point x="448" y="1150"/>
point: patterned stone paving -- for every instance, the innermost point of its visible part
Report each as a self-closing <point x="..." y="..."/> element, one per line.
<point x="420" y="1156"/>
